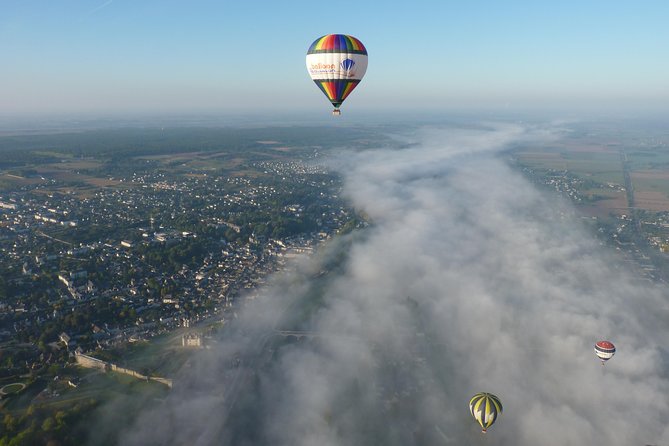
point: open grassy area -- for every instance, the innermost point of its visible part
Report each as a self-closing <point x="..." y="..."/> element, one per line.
<point x="103" y="386"/>
<point x="11" y="182"/>
<point x="161" y="356"/>
<point x="12" y="388"/>
<point x="100" y="406"/>
<point x="647" y="159"/>
<point x="20" y="401"/>
<point x="600" y="167"/>
<point x="92" y="384"/>
<point x="53" y="154"/>
<point x="651" y="181"/>
<point x="603" y="167"/>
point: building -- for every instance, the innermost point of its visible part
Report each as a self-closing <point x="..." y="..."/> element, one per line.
<point x="193" y="340"/>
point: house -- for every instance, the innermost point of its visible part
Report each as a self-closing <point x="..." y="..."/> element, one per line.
<point x="67" y="340"/>
<point x="192" y="340"/>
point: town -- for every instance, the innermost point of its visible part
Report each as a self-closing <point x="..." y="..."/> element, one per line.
<point x="125" y="264"/>
<point x="99" y="257"/>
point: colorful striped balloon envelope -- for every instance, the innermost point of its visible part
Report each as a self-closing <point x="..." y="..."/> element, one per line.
<point x="336" y="64"/>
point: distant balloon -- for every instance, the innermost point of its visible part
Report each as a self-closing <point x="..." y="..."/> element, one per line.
<point x="337" y="63"/>
<point x="604" y="350"/>
<point x="485" y="407"/>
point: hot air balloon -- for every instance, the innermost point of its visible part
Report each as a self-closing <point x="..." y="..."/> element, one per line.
<point x="485" y="407"/>
<point x="337" y="63"/>
<point x="604" y="350"/>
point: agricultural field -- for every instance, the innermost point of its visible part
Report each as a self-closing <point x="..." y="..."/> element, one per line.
<point x="648" y="160"/>
<point x="594" y="173"/>
<point x="651" y="189"/>
<point x="81" y="177"/>
<point x="601" y="167"/>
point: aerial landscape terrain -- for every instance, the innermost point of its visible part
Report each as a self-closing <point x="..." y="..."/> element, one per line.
<point x="350" y="223"/>
<point x="152" y="273"/>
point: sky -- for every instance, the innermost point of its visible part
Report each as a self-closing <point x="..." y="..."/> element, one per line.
<point x="469" y="280"/>
<point x="177" y="56"/>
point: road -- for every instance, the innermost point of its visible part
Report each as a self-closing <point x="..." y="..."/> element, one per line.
<point x="629" y="191"/>
<point x="52" y="238"/>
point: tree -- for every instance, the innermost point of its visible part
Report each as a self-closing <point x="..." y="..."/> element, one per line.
<point x="60" y="417"/>
<point x="49" y="424"/>
<point x="54" y="369"/>
<point x="24" y="438"/>
<point x="3" y="288"/>
<point x="10" y="423"/>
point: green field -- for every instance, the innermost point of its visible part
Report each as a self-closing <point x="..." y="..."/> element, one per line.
<point x="601" y="167"/>
<point x="162" y="356"/>
<point x="641" y="160"/>
<point x="94" y="412"/>
<point x="12" y="388"/>
<point x="651" y="184"/>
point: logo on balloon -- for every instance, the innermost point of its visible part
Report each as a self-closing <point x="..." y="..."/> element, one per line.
<point x="321" y="68"/>
<point x="347" y="65"/>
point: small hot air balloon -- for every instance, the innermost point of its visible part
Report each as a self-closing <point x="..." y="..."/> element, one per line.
<point x="337" y="63"/>
<point x="485" y="407"/>
<point x="604" y="350"/>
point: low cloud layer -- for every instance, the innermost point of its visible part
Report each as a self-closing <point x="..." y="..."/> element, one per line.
<point x="468" y="280"/>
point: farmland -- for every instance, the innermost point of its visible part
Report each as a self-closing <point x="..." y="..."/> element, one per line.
<point x="594" y="170"/>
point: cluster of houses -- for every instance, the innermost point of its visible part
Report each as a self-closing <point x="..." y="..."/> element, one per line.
<point x="35" y="235"/>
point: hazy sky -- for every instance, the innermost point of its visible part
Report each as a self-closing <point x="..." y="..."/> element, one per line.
<point x="177" y="55"/>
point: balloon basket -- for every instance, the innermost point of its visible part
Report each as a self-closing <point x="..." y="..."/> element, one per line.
<point x="336" y="112"/>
